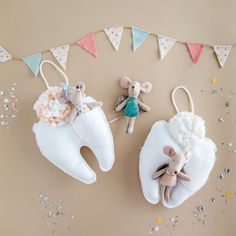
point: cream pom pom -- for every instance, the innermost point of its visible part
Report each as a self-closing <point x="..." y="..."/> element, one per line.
<point x="187" y="129"/>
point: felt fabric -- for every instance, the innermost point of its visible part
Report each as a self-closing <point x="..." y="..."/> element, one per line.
<point x="4" y="55"/>
<point x="61" y="145"/>
<point x="195" y="50"/>
<point x="89" y="44"/>
<point x="114" y="34"/>
<point x="222" y="53"/>
<point x="61" y="54"/>
<point x="152" y="157"/>
<point x="132" y="108"/>
<point x="33" y="62"/>
<point x="139" y="37"/>
<point x="165" y="44"/>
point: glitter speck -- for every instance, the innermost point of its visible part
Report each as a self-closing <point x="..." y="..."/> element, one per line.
<point x="159" y="221"/>
<point x="200" y="208"/>
<point x="155" y="228"/>
<point x="220" y="176"/>
<point x="227" y="170"/>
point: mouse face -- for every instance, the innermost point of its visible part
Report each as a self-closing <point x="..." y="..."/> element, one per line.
<point x="134" y="89"/>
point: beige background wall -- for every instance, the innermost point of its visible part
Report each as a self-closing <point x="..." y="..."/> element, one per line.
<point x="115" y="204"/>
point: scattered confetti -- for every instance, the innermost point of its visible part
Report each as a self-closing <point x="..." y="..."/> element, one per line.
<point x="200" y="208"/>
<point x="155" y="228"/>
<point x="227" y="170"/>
<point x="221" y="119"/>
<point x="228" y="195"/>
<point x="214" y="80"/>
<point x="221" y="176"/>
<point x="159" y="221"/>
<point x="8" y="107"/>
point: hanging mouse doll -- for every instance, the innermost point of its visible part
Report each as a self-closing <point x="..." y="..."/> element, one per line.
<point x="169" y="173"/>
<point x="76" y="96"/>
<point x="132" y="104"/>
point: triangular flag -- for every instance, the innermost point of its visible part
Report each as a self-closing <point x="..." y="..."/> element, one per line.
<point x="4" y="55"/>
<point x="222" y="52"/>
<point x="138" y="36"/>
<point x="195" y="50"/>
<point x="61" y="54"/>
<point x="114" y="34"/>
<point x="33" y="62"/>
<point x="89" y="44"/>
<point x="165" y="44"/>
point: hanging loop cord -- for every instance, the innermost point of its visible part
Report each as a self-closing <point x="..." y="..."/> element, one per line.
<point x="189" y="98"/>
<point x="44" y="77"/>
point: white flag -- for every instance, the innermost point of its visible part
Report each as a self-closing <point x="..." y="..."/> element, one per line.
<point x="114" y="34"/>
<point x="4" y="55"/>
<point x="61" y="54"/>
<point x="222" y="53"/>
<point x="165" y="44"/>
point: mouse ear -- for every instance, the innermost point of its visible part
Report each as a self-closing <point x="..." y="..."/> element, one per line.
<point x="125" y="82"/>
<point x="81" y="86"/>
<point x="169" y="151"/>
<point x="146" y="87"/>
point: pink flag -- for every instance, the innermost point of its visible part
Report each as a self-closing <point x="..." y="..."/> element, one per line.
<point x="89" y="44"/>
<point x="195" y="50"/>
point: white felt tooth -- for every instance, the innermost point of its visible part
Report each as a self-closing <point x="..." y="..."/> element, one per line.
<point x="61" y="146"/>
<point x="152" y="157"/>
<point x="97" y="135"/>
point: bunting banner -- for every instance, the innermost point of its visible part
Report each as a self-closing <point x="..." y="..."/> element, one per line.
<point x="165" y="44"/>
<point x="89" y="44"/>
<point x="33" y="62"/>
<point x="4" y="55"/>
<point x="195" y="50"/>
<point x="139" y="37"/>
<point x="61" y="54"/>
<point x="222" y="53"/>
<point x="114" y="34"/>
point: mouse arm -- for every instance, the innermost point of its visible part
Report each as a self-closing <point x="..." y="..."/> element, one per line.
<point x="91" y="105"/>
<point x="121" y="105"/>
<point x="157" y="174"/>
<point x="144" y="106"/>
<point x="183" y="176"/>
<point x="72" y="116"/>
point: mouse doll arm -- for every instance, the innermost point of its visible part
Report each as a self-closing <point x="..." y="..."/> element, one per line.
<point x="91" y="105"/>
<point x="72" y="116"/>
<point x="157" y="174"/>
<point x="183" y="176"/>
<point x="144" y="106"/>
<point x="121" y="105"/>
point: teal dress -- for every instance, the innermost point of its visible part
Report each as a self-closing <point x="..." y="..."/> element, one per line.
<point x="132" y="108"/>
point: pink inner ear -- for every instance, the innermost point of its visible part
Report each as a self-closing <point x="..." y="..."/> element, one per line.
<point x="125" y="82"/>
<point x="169" y="151"/>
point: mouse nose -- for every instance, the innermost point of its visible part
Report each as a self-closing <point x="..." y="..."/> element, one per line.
<point x="133" y="87"/>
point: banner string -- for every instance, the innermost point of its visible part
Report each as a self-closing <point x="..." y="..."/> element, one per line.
<point x="14" y="58"/>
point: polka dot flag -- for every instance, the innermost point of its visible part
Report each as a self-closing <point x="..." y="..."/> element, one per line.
<point x="222" y="53"/>
<point x="114" y="34"/>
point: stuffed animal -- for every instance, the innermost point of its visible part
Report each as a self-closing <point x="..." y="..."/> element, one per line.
<point x="168" y="175"/>
<point x="132" y="104"/>
<point x="76" y="96"/>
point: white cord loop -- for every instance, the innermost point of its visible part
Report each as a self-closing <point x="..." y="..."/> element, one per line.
<point x="44" y="77"/>
<point x="189" y="98"/>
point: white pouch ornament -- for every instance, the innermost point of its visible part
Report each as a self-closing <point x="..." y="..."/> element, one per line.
<point x="68" y="120"/>
<point x="176" y="158"/>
